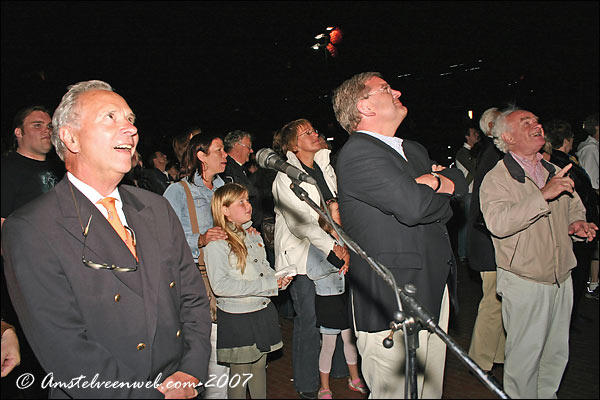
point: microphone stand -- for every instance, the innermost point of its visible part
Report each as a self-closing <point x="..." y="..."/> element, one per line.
<point x="411" y="321"/>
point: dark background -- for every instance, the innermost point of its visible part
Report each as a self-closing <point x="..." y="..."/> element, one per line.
<point x="249" y="65"/>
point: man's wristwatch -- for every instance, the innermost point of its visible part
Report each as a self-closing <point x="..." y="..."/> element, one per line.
<point x="439" y="181"/>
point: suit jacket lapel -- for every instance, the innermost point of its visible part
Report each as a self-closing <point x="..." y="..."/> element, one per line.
<point x="417" y="162"/>
<point x="407" y="146"/>
<point x="103" y="244"/>
<point x="141" y="219"/>
<point x="70" y="221"/>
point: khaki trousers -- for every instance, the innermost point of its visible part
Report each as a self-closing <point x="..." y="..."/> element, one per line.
<point x="536" y="318"/>
<point x="383" y="369"/>
<point x="487" y="343"/>
<point x="257" y="385"/>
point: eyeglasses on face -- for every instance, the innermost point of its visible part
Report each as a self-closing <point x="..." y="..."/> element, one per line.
<point x="308" y="132"/>
<point x="112" y="267"/>
<point x="245" y="145"/>
<point x="385" y="89"/>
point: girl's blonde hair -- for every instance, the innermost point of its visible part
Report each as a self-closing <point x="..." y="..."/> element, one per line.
<point x="224" y="197"/>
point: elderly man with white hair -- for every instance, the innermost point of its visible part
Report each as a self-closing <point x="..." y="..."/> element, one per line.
<point x="533" y="213"/>
<point x="487" y="342"/>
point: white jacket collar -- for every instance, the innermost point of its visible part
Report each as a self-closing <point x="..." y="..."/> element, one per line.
<point x="321" y="158"/>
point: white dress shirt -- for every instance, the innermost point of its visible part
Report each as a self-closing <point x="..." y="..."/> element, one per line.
<point x="393" y="141"/>
<point x="93" y="196"/>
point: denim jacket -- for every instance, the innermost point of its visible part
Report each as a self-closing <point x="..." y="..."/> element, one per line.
<point x="202" y="196"/>
<point x="328" y="281"/>
<point x="239" y="293"/>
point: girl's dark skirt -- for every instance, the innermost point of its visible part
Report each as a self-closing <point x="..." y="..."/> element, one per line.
<point x="332" y="311"/>
<point x="244" y="338"/>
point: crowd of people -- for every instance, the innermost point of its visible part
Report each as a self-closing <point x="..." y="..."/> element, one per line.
<point x="160" y="277"/>
<point x="527" y="236"/>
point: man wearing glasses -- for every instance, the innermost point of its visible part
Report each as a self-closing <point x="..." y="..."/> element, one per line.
<point x="238" y="145"/>
<point x="394" y="202"/>
<point x="101" y="276"/>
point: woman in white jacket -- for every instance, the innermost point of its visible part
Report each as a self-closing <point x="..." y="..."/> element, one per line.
<point x="296" y="228"/>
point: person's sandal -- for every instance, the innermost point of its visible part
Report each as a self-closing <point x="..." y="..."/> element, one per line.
<point x="325" y="394"/>
<point x="357" y="385"/>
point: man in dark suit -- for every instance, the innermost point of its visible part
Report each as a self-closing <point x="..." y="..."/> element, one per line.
<point x="394" y="202"/>
<point x="101" y="276"/>
<point x="488" y="339"/>
<point x="238" y="145"/>
<point x="157" y="175"/>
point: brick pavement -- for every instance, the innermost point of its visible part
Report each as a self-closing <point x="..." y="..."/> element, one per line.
<point x="279" y="372"/>
<point x="579" y="382"/>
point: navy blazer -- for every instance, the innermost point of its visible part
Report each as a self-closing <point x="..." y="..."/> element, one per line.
<point x="125" y="326"/>
<point x="398" y="222"/>
<point x="158" y="182"/>
<point x="480" y="248"/>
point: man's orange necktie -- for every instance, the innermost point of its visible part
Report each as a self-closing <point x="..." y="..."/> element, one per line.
<point x="115" y="221"/>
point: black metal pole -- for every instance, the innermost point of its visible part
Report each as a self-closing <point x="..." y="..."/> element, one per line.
<point x="406" y="303"/>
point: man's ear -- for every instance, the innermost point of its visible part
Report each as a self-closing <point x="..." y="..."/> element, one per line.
<point x="364" y="107"/>
<point x="19" y="133"/>
<point x="508" y="138"/>
<point x="69" y="139"/>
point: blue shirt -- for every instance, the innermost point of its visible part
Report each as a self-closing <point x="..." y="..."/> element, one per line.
<point x="202" y="196"/>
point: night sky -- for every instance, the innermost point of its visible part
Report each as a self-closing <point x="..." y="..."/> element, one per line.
<point x="248" y="65"/>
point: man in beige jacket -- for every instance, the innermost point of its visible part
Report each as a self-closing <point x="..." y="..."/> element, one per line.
<point x="533" y="213"/>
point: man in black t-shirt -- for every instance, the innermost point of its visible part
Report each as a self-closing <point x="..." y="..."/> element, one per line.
<point x="27" y="173"/>
<point x="24" y="178"/>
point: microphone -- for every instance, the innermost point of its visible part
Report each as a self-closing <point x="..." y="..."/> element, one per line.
<point x="268" y="158"/>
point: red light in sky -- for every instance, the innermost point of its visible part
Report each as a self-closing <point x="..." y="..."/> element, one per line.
<point x="332" y="50"/>
<point x="335" y="36"/>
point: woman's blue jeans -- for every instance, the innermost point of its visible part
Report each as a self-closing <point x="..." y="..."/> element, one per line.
<point x="306" y="344"/>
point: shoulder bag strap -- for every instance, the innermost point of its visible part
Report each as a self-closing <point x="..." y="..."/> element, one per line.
<point x="201" y="266"/>
<point x="191" y="207"/>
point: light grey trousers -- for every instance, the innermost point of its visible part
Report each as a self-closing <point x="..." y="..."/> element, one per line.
<point x="215" y="371"/>
<point x="536" y="318"/>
